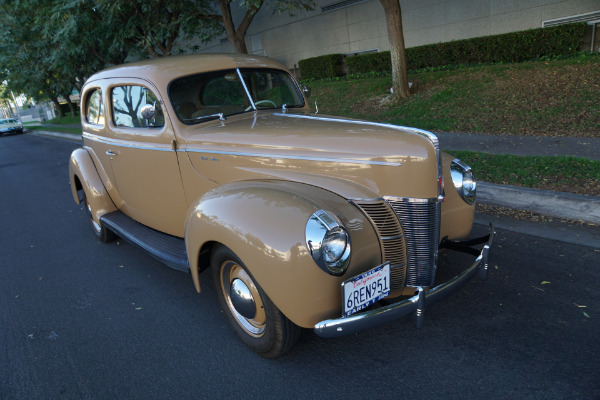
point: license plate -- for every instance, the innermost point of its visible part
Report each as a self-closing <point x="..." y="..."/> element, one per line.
<point x="365" y="289"/>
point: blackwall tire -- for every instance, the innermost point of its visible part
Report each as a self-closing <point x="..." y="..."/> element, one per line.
<point x="253" y="316"/>
<point x="103" y="234"/>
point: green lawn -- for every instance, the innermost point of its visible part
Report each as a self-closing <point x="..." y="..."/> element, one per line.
<point x="66" y="120"/>
<point x="546" y="98"/>
<point x="550" y="98"/>
<point x="56" y="128"/>
<point x="567" y="174"/>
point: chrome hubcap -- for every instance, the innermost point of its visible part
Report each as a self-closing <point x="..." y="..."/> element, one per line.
<point x="243" y="299"/>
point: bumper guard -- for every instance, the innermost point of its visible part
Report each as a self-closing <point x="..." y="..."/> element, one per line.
<point x="419" y="302"/>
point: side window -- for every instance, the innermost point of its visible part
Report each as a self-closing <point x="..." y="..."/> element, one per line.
<point x="128" y="103"/>
<point x="94" y="112"/>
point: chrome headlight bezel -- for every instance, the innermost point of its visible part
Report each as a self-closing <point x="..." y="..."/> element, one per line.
<point x="464" y="181"/>
<point x="328" y="242"/>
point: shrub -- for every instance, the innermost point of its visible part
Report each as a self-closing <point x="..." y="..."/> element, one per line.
<point x="510" y="47"/>
<point x="321" y="67"/>
<point x="365" y="63"/>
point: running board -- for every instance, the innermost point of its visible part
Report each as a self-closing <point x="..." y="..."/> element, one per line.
<point x="169" y="250"/>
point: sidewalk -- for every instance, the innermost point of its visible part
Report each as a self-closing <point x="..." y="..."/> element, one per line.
<point x="545" y="202"/>
<point x="522" y="145"/>
<point x="549" y="203"/>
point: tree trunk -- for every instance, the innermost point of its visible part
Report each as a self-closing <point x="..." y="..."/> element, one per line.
<point x="239" y="44"/>
<point x="237" y="37"/>
<point x="71" y="106"/>
<point x="393" y="16"/>
<point x="54" y="100"/>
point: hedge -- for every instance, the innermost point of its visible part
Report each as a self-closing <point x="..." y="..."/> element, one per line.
<point x="507" y="48"/>
<point x="321" y="67"/>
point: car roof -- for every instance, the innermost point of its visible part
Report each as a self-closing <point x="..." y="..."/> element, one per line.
<point x="165" y="69"/>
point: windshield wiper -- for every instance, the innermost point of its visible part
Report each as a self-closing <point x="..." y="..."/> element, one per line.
<point x="221" y="117"/>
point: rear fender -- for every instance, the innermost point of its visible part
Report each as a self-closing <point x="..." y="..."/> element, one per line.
<point x="84" y="176"/>
<point x="264" y="224"/>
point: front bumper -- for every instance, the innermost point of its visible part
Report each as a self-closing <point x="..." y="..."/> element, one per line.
<point x="11" y="130"/>
<point x="417" y="303"/>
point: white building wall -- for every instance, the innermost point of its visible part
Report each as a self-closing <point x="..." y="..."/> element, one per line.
<point x="361" y="27"/>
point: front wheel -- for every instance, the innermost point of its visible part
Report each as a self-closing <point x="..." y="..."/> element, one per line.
<point x="253" y="316"/>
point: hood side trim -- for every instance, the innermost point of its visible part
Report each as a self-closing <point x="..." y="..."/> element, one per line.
<point x="290" y="157"/>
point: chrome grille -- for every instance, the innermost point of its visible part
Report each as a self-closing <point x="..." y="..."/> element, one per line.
<point x="391" y="237"/>
<point x="420" y="220"/>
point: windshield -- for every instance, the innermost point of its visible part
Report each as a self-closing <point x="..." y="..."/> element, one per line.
<point x="8" y="121"/>
<point x="218" y="94"/>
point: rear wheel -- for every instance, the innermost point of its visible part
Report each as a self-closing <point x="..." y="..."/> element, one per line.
<point x="103" y="234"/>
<point x="253" y="316"/>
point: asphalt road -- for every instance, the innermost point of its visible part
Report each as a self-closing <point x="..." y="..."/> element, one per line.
<point x="85" y="320"/>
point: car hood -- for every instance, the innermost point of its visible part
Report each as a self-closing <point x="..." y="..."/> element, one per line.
<point x="359" y="158"/>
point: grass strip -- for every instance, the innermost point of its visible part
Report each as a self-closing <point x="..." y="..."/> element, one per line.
<point x="66" y="120"/>
<point x="561" y="173"/>
<point x="56" y="128"/>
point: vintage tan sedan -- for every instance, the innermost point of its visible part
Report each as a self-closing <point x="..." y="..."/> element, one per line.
<point x="305" y="221"/>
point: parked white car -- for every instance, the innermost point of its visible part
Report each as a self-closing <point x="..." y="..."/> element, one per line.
<point x="10" y="125"/>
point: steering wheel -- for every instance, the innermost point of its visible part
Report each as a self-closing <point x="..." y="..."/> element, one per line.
<point x="266" y="101"/>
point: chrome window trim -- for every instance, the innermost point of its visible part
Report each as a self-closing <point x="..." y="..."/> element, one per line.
<point x="289" y="157"/>
<point x="124" y="143"/>
<point x="89" y="93"/>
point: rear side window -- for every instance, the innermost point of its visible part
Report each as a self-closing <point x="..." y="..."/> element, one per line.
<point x="94" y="112"/>
<point x="128" y="102"/>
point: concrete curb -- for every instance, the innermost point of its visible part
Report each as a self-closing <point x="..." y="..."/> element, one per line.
<point x="68" y="136"/>
<point x="545" y="202"/>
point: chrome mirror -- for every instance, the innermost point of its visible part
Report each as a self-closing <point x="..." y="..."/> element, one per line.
<point x="305" y="90"/>
<point x="148" y="111"/>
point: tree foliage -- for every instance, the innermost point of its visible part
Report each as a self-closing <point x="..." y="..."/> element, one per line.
<point x="237" y="35"/>
<point x="49" y="47"/>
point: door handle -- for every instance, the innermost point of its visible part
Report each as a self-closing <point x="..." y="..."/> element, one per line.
<point x="111" y="153"/>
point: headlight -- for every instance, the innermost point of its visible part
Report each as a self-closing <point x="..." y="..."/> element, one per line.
<point x="464" y="180"/>
<point x="328" y="242"/>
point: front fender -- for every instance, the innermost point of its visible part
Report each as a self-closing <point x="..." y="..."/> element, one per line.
<point x="84" y="176"/>
<point x="457" y="215"/>
<point x="264" y="223"/>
